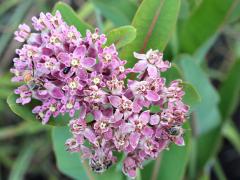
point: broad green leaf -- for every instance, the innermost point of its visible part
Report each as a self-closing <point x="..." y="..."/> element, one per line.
<point x="172" y="74"/>
<point x="207" y="114"/>
<point x="71" y="18"/>
<point x="68" y="163"/>
<point x="209" y="143"/>
<point x="229" y="91"/>
<point x="20" y="110"/>
<point x="191" y="96"/>
<point x="206" y="20"/>
<point x="119" y="12"/>
<point x="25" y="112"/>
<point x="172" y="163"/>
<point x="155" y="22"/>
<point x="121" y="36"/>
<point x="71" y="164"/>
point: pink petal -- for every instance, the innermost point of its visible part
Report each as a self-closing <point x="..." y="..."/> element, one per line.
<point x="152" y="96"/>
<point x="154" y="120"/>
<point x="134" y="139"/>
<point x="57" y="93"/>
<point x="147" y="131"/>
<point x="140" y="66"/>
<point x="79" y="52"/>
<point x="63" y="57"/>
<point x="139" y="56"/>
<point x="88" y="62"/>
<point x="152" y="71"/>
<point x="179" y="141"/>
<point x="144" y="117"/>
<point x="115" y="100"/>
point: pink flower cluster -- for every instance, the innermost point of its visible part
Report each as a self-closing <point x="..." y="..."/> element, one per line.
<point x="109" y="113"/>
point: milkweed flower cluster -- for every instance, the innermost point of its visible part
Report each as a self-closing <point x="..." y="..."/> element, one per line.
<point x="80" y="76"/>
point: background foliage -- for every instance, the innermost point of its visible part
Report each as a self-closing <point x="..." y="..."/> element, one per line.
<point x="200" y="37"/>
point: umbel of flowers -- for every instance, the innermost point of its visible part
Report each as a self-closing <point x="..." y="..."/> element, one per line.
<point x="69" y="73"/>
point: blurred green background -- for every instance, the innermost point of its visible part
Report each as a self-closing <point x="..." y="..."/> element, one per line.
<point x="205" y="45"/>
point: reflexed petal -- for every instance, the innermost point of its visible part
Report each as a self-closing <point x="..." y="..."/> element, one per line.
<point x="179" y="141"/>
<point x="88" y="62"/>
<point x="154" y="120"/>
<point x="152" y="96"/>
<point x="134" y="139"/>
<point x="63" y="57"/>
<point x="115" y="100"/>
<point x="144" y="117"/>
<point x="79" y="52"/>
<point x="147" y="131"/>
<point x="139" y="56"/>
<point x="140" y="66"/>
<point x="152" y="71"/>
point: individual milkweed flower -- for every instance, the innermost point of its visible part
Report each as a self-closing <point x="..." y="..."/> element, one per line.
<point x="152" y="61"/>
<point x="25" y="94"/>
<point x="50" y="107"/>
<point x="23" y="32"/>
<point x="72" y="145"/>
<point x="129" y="167"/>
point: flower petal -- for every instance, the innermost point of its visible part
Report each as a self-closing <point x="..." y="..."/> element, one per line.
<point x="140" y="66"/>
<point x="115" y="100"/>
<point x="152" y="96"/>
<point x="152" y="71"/>
<point x="154" y="120"/>
<point x="144" y="117"/>
<point x="88" y="62"/>
<point x="79" y="52"/>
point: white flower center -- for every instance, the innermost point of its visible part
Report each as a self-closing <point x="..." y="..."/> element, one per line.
<point x="73" y="85"/>
<point x="52" y="108"/>
<point x="75" y="62"/>
<point x="102" y="125"/>
<point x="121" y="68"/>
<point x="95" y="36"/>
<point x="69" y="105"/>
<point x="96" y="80"/>
<point x="54" y="40"/>
<point x="107" y="57"/>
<point x="70" y="34"/>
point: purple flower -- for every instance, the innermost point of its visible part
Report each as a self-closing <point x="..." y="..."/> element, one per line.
<point x="152" y="62"/>
<point x="80" y="76"/>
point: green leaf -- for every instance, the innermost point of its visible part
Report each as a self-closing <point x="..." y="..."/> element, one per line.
<point x="25" y="112"/>
<point x="191" y="96"/>
<point x="120" y="14"/>
<point x="209" y="143"/>
<point x="155" y="22"/>
<point x="207" y="114"/>
<point x="172" y="163"/>
<point x="198" y="28"/>
<point x="22" y="162"/>
<point x="121" y="36"/>
<point x="68" y="163"/>
<point x="229" y="91"/>
<point x="173" y="73"/>
<point x="71" y="18"/>
<point x="230" y="132"/>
